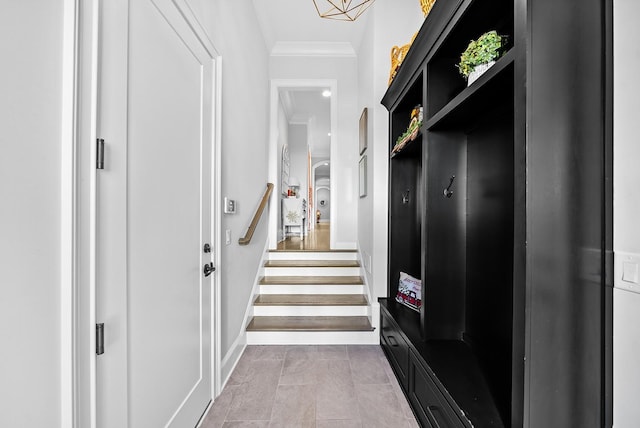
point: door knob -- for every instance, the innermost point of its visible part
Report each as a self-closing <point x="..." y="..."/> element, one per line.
<point x="209" y="269"/>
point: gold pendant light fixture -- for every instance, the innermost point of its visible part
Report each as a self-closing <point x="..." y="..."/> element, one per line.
<point x="342" y="10"/>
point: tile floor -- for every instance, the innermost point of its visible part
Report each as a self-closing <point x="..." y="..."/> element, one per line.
<point x="340" y="386"/>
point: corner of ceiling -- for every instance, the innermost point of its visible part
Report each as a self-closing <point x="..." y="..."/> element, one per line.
<point x="313" y="49"/>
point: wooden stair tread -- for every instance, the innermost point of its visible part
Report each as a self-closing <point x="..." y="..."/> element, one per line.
<point x="312" y="263"/>
<point x="312" y="323"/>
<point x="311" y="280"/>
<point x="311" y="300"/>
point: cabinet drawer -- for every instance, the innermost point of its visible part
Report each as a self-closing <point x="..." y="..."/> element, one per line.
<point x="397" y="349"/>
<point x="429" y="404"/>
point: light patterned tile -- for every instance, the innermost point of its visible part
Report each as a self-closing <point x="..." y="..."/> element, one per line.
<point x="332" y="352"/>
<point x="368" y="371"/>
<point x="294" y="406"/>
<point x="359" y="352"/>
<point x="339" y="424"/>
<point x="246" y="424"/>
<point x="412" y="423"/>
<point x="393" y="381"/>
<point x="383" y="399"/>
<point x="335" y="395"/>
<point x="253" y="400"/>
<point x="217" y="413"/>
<point x="265" y="352"/>
<point x="239" y="374"/>
<point x="299" y="372"/>
<point x="302" y="352"/>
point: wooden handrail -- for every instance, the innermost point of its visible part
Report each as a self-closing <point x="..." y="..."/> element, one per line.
<point x="256" y="218"/>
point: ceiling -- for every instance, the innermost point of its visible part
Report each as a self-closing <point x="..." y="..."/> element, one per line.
<point x="295" y="23"/>
<point x="309" y="107"/>
<point x="293" y="27"/>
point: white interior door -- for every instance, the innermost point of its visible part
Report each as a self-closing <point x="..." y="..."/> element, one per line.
<point x="154" y="216"/>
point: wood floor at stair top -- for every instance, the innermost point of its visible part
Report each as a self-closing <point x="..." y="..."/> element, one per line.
<point x="311" y="280"/>
<point x="311" y="300"/>
<point x="309" y="324"/>
<point x="312" y="263"/>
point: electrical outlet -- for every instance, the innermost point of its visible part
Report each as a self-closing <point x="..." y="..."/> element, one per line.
<point x="227" y="237"/>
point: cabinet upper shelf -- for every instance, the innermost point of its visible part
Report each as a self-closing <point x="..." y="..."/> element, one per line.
<point x="496" y="82"/>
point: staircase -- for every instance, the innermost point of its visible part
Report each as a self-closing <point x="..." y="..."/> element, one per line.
<point x="311" y="298"/>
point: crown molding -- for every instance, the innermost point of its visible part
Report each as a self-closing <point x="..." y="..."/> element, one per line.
<point x="314" y="49"/>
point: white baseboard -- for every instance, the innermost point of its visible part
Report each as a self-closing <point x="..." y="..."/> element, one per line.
<point x="230" y="361"/>
<point x="232" y="357"/>
<point x="345" y="246"/>
<point x="315" y="338"/>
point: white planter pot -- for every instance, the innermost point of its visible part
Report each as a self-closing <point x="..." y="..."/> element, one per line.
<point x="478" y="71"/>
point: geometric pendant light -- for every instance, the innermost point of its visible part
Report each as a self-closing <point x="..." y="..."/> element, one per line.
<point x="343" y="10"/>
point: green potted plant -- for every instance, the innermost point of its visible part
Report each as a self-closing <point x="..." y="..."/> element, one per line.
<point x="480" y="55"/>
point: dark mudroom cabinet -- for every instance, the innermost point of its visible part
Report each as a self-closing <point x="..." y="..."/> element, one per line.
<point x="502" y="206"/>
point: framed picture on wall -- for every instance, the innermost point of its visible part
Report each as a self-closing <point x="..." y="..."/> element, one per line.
<point x="363" y="176"/>
<point x="363" y="130"/>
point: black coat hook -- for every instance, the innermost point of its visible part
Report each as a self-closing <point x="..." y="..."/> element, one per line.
<point x="448" y="192"/>
<point x="405" y="197"/>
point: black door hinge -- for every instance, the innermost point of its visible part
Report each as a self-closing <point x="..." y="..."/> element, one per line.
<point x="100" y="339"/>
<point x="99" y="153"/>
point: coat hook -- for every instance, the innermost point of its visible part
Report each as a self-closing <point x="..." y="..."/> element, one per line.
<point x="405" y="197"/>
<point x="448" y="192"/>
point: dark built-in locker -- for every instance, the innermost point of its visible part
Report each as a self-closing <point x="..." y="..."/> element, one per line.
<point x="502" y="207"/>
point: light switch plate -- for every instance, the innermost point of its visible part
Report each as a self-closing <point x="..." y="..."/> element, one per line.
<point x="630" y="272"/>
<point x="627" y="271"/>
<point x="229" y="206"/>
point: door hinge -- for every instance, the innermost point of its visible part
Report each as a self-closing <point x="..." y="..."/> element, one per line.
<point x="100" y="153"/>
<point x="100" y="338"/>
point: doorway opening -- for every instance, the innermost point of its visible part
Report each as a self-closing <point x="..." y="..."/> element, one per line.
<point x="303" y="133"/>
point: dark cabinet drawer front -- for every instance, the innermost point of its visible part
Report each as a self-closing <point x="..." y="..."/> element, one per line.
<point x="397" y="348"/>
<point x="431" y="407"/>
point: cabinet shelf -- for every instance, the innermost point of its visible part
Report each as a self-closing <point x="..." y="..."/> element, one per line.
<point x="411" y="148"/>
<point x="497" y="82"/>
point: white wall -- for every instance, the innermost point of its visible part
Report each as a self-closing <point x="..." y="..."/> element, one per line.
<point x="345" y="163"/>
<point x="325" y="210"/>
<point x="298" y="154"/>
<point x="31" y="42"/>
<point x="235" y="33"/>
<point x="626" y="207"/>
<point x="390" y="24"/>
<point x="283" y="138"/>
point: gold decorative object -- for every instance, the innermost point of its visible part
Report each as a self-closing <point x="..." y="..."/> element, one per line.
<point x="342" y="10"/>
<point x="397" y="56"/>
<point x="398" y="53"/>
<point x="426" y="6"/>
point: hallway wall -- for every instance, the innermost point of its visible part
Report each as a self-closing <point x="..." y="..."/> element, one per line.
<point x="31" y="234"/>
<point x="626" y="240"/>
<point x="283" y="138"/>
<point x="36" y="382"/>
<point x="390" y="23"/>
<point x="234" y="31"/>
<point x="344" y="163"/>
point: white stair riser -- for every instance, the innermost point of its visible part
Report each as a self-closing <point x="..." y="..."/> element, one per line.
<point x="312" y="256"/>
<point x="312" y="289"/>
<point x="311" y="271"/>
<point x="290" y="311"/>
<point x="313" y="337"/>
